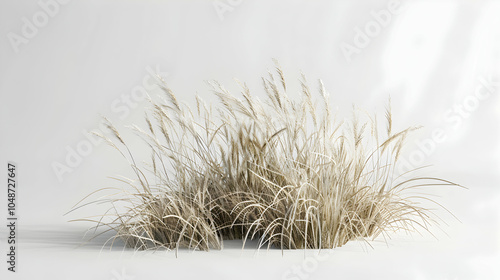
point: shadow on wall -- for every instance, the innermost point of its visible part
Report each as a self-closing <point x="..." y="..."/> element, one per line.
<point x="80" y="237"/>
<point x="73" y="237"/>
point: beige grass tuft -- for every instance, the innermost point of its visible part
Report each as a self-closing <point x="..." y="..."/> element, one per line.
<point x="282" y="171"/>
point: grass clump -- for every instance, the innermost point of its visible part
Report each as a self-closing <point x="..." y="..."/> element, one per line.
<point x="282" y="171"/>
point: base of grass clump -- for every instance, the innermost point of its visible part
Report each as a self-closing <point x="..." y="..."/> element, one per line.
<point x="282" y="171"/>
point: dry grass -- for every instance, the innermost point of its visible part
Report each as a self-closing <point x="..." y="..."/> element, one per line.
<point x="284" y="172"/>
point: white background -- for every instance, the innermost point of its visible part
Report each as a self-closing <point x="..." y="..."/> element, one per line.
<point x="89" y="57"/>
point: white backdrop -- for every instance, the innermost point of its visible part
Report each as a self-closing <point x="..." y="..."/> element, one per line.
<point x="64" y="64"/>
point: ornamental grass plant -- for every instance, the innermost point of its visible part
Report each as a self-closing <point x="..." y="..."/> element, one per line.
<point x="284" y="172"/>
